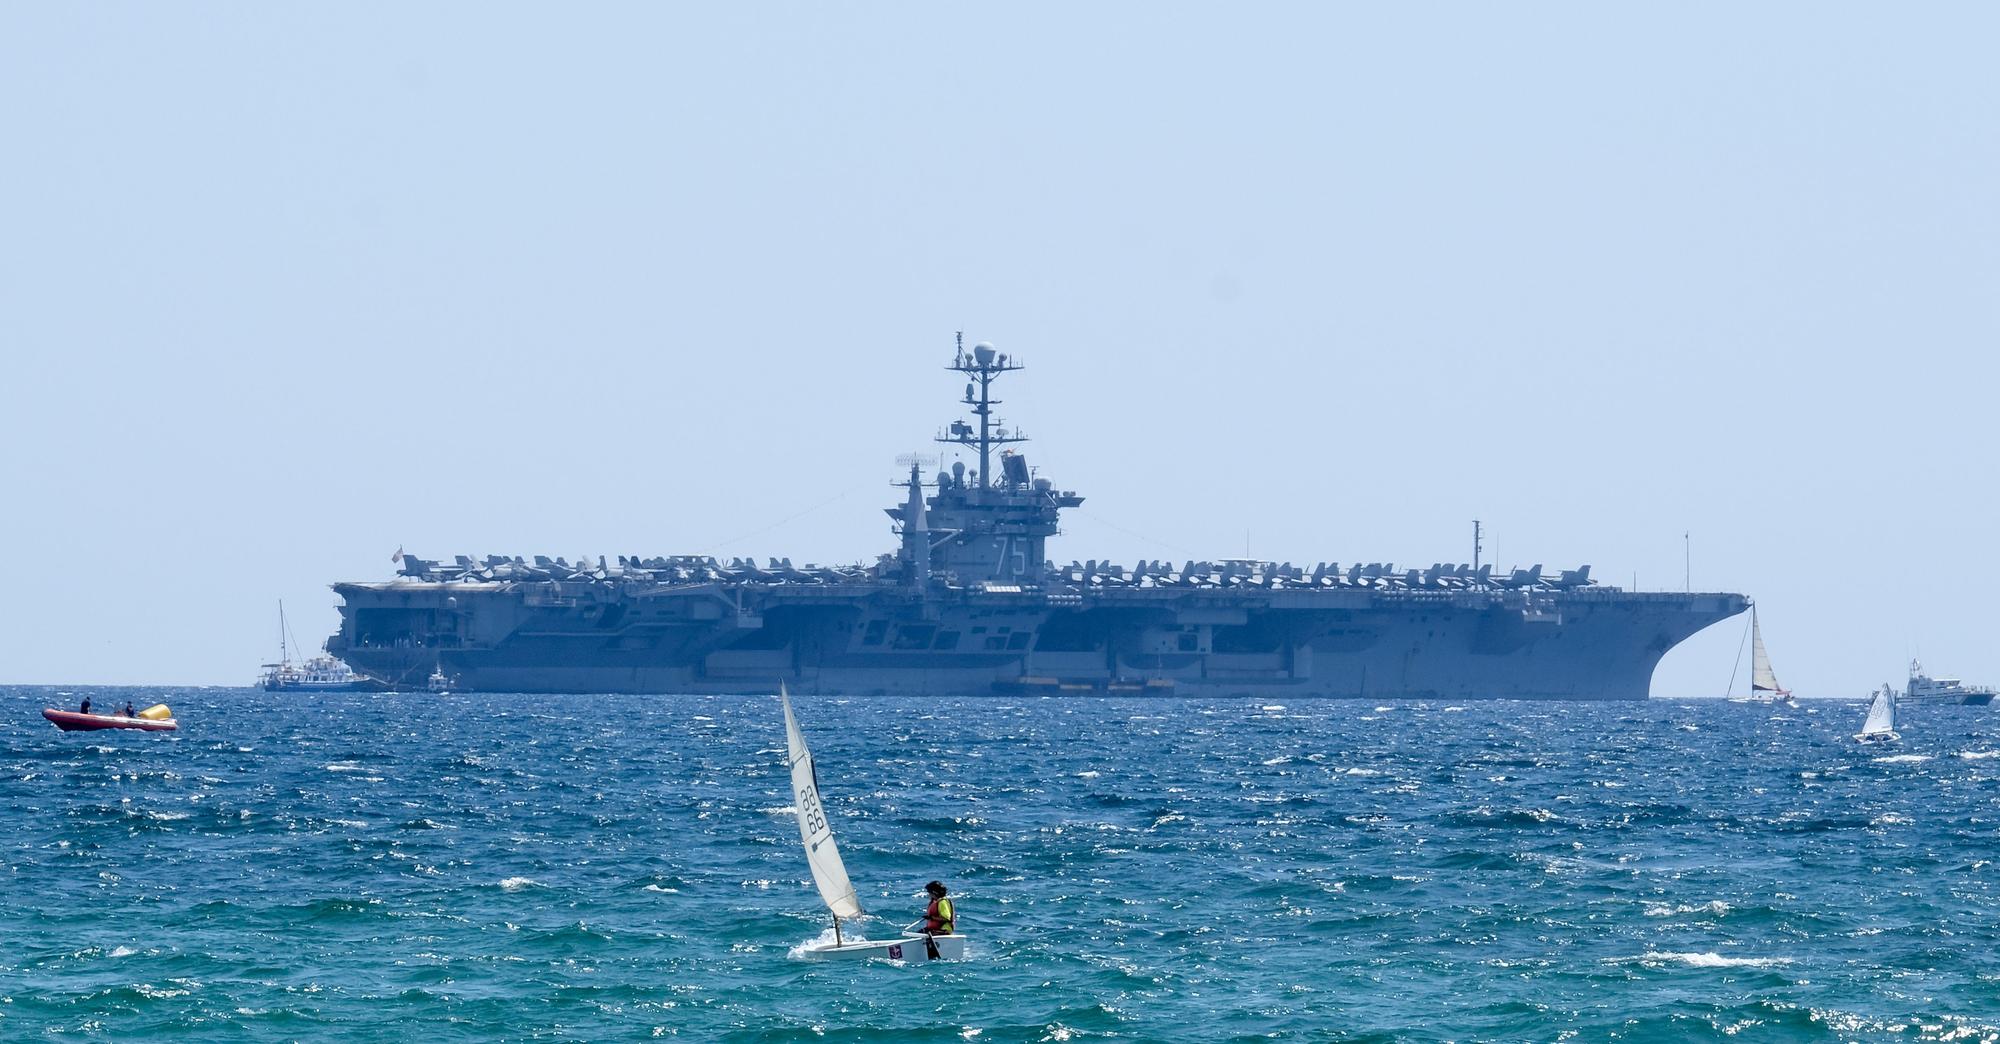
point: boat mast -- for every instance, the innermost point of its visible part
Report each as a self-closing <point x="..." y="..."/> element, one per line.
<point x="1737" y="663"/>
<point x="284" y="653"/>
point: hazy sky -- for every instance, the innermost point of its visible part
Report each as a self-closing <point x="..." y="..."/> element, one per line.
<point x="283" y="287"/>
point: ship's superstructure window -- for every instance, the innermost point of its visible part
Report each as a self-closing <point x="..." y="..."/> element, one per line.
<point x="946" y="640"/>
<point x="876" y="630"/>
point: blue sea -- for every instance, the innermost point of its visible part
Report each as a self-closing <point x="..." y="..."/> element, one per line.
<point x="439" y="868"/>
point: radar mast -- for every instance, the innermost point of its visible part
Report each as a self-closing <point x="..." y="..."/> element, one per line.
<point x="982" y="364"/>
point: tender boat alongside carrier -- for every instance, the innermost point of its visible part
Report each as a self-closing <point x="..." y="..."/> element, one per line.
<point x="316" y="674"/>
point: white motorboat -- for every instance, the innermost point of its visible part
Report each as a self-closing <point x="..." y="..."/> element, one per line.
<point x="317" y="674"/>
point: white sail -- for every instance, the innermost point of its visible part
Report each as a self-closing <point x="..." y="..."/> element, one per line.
<point x="1881" y="714"/>
<point x="829" y="873"/>
<point x="1762" y="679"/>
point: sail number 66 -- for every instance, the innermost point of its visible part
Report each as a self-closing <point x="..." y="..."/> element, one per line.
<point x="815" y="817"/>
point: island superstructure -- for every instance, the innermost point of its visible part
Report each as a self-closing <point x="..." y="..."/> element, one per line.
<point x="970" y="604"/>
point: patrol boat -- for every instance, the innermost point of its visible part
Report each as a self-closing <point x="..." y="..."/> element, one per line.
<point x="970" y="603"/>
<point x="1925" y="689"/>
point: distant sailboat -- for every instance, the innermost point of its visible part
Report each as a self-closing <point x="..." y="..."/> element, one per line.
<point x="1764" y="687"/>
<point x="1881" y="724"/>
<point x="830" y="874"/>
<point x="1763" y="683"/>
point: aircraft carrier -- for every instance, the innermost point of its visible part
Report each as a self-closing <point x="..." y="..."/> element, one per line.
<point x="969" y="604"/>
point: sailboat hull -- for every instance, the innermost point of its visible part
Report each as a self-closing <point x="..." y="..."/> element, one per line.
<point x="1876" y="737"/>
<point x="909" y="948"/>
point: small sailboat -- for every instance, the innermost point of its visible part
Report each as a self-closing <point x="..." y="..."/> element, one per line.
<point x="830" y="874"/>
<point x="1764" y="685"/>
<point x="1881" y="724"/>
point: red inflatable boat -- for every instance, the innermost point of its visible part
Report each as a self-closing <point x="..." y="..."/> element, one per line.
<point x="72" y="721"/>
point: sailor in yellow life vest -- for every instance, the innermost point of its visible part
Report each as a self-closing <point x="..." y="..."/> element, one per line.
<point x="938" y="918"/>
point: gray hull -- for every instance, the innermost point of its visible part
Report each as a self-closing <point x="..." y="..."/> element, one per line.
<point x="1587" y="645"/>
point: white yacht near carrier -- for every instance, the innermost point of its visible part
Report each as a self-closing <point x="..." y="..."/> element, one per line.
<point x="317" y="674"/>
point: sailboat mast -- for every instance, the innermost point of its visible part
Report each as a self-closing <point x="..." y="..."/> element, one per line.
<point x="1737" y="663"/>
<point x="1760" y="663"/>
<point x="284" y="653"/>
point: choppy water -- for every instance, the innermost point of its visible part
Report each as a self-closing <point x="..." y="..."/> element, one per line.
<point x="567" y="868"/>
